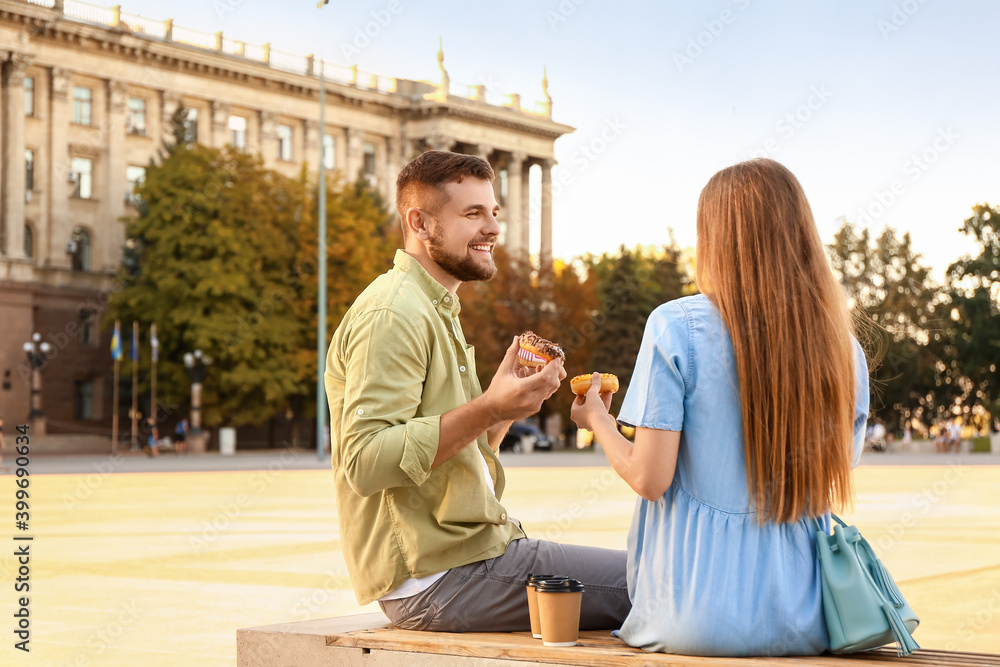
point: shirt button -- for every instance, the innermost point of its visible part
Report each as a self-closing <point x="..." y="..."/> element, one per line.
<point x="503" y="516"/>
<point x="435" y="302"/>
<point x="461" y="368"/>
<point x="361" y="411"/>
<point x="447" y="299"/>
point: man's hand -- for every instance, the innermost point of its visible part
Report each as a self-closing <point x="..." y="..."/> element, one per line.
<point x="591" y="407"/>
<point x="517" y="392"/>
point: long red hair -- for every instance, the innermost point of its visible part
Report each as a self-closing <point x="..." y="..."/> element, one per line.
<point x="761" y="261"/>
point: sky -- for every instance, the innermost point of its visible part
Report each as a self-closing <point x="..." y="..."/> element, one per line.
<point x="886" y="111"/>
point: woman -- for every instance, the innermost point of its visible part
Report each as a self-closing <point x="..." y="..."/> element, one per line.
<point x="750" y="402"/>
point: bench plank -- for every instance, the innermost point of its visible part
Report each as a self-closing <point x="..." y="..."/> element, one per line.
<point x="362" y="638"/>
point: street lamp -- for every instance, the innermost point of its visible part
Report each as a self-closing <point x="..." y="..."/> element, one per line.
<point x="38" y="353"/>
<point x="197" y="366"/>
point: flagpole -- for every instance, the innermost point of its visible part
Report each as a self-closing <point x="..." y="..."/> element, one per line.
<point x="116" y="354"/>
<point x="154" y="344"/>
<point x="135" y="385"/>
<point x="321" y="297"/>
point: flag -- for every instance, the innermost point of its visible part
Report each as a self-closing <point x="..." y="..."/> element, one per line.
<point x="135" y="341"/>
<point x="154" y="342"/>
<point x="116" y="342"/>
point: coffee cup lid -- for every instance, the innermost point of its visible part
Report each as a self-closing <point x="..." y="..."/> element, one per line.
<point x="535" y="578"/>
<point x="559" y="586"/>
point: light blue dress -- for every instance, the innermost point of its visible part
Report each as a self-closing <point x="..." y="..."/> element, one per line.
<point x="704" y="577"/>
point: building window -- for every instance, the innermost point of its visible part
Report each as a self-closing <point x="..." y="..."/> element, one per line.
<point x="83" y="399"/>
<point x="135" y="176"/>
<point x="87" y="334"/>
<point x="87" y="317"/>
<point x="191" y="126"/>
<point x="79" y="246"/>
<point x="29" y="169"/>
<point x="285" y="143"/>
<point x="29" y="96"/>
<point x="82" y="175"/>
<point x="329" y="152"/>
<point x="136" y="122"/>
<point x="29" y="241"/>
<point x="238" y="131"/>
<point x="81" y="105"/>
<point x="369" y="164"/>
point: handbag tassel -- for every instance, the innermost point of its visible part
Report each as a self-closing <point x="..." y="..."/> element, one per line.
<point x="905" y="644"/>
<point x="883" y="580"/>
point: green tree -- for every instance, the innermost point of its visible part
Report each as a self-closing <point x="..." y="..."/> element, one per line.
<point x="213" y="241"/>
<point x="895" y="307"/>
<point x="630" y="285"/>
<point x="973" y="328"/>
<point x="360" y="243"/>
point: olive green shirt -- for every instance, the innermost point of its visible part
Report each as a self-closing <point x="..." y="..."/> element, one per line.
<point x="397" y="362"/>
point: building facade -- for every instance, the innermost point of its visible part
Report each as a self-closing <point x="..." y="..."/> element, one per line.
<point x="87" y="97"/>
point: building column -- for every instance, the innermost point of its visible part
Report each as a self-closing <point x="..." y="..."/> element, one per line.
<point x="484" y="151"/>
<point x="268" y="137"/>
<point x="515" y="208"/>
<point x="220" y="124"/>
<point x="545" y="259"/>
<point x="115" y="186"/>
<point x="355" y="154"/>
<point x="312" y="145"/>
<point x="526" y="209"/>
<point x="13" y="155"/>
<point x="393" y="165"/>
<point x="58" y="227"/>
<point x="169" y="103"/>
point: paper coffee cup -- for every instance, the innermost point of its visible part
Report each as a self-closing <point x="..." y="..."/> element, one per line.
<point x="533" y="579"/>
<point x="559" y="611"/>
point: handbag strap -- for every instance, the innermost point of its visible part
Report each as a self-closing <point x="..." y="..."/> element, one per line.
<point x="819" y="528"/>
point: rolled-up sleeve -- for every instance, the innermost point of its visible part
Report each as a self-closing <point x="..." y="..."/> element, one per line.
<point x="385" y="442"/>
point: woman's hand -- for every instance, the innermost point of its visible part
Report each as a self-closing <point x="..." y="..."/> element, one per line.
<point x="591" y="408"/>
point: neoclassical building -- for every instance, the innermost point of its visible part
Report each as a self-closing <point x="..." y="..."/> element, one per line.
<point x="87" y="97"/>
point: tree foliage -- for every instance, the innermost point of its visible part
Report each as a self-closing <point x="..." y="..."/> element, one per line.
<point x="972" y="342"/>
<point x="223" y="260"/>
<point x="361" y="238"/>
<point x="895" y="306"/>
<point x="631" y="284"/>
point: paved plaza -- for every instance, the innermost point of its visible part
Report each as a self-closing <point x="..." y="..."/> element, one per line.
<point x="151" y="562"/>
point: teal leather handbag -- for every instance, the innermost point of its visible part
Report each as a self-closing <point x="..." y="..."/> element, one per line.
<point x="862" y="604"/>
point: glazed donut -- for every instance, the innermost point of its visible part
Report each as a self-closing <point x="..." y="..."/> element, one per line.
<point x="535" y="351"/>
<point x="581" y="383"/>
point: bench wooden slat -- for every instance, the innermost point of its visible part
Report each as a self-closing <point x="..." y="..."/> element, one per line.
<point x="350" y="640"/>
<point x="599" y="648"/>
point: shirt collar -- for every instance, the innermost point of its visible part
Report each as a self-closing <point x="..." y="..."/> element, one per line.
<point x="443" y="301"/>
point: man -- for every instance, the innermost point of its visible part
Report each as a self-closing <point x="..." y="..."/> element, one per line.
<point x="414" y="437"/>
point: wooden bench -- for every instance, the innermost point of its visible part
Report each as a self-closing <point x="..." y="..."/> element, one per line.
<point x="370" y="639"/>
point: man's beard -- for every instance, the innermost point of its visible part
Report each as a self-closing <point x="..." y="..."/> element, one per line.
<point x="466" y="269"/>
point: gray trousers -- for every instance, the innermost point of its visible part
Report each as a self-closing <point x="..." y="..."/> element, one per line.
<point x="489" y="595"/>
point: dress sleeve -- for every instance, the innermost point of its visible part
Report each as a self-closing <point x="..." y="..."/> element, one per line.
<point x="655" y="396"/>
<point x="384" y="443"/>
<point x="861" y="392"/>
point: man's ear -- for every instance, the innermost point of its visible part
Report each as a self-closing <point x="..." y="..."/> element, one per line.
<point x="416" y="223"/>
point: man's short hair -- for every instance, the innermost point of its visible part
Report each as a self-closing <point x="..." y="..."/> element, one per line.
<point x="420" y="182"/>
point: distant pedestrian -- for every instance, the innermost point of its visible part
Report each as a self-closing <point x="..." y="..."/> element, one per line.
<point x="180" y="436"/>
<point x="954" y="436"/>
<point x="152" y="446"/>
<point x="907" y="438"/>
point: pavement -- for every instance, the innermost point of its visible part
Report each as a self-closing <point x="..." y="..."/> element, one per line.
<point x="290" y="459"/>
<point x="157" y="562"/>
